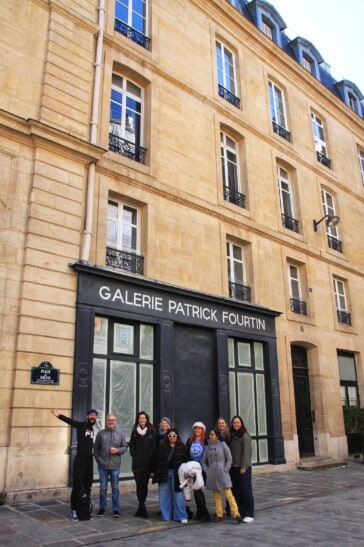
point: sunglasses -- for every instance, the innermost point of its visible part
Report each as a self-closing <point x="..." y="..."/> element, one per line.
<point x="172" y="435"/>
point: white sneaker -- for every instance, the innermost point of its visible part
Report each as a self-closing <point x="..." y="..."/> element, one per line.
<point x="184" y="521"/>
<point x="248" y="520"/>
<point x="74" y="515"/>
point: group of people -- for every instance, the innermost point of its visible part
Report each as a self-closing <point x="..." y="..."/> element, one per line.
<point x="219" y="461"/>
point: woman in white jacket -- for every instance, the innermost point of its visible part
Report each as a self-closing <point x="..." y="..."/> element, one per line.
<point x="216" y="462"/>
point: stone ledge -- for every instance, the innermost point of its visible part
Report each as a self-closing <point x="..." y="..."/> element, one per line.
<point x="319" y="463"/>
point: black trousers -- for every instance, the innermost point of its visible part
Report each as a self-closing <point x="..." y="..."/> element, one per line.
<point x="82" y="477"/>
<point x="141" y="477"/>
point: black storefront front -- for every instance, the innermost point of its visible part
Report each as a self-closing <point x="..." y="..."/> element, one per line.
<point x="144" y="345"/>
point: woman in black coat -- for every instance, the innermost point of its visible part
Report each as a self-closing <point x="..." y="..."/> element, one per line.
<point x="142" y="448"/>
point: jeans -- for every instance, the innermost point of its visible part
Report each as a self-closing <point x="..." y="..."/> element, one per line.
<point x="172" y="503"/>
<point x="242" y="491"/>
<point x="105" y="475"/>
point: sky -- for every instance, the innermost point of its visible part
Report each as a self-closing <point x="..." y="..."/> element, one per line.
<point x="334" y="27"/>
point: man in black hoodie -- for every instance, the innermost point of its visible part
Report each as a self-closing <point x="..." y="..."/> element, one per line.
<point x="83" y="462"/>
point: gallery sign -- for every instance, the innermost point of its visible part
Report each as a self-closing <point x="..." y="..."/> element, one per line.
<point x="178" y="305"/>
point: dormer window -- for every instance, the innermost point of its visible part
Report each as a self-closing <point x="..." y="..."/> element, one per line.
<point x="267" y="28"/>
<point x="351" y="96"/>
<point x="307" y="63"/>
<point x="267" y="19"/>
<point x="307" y="55"/>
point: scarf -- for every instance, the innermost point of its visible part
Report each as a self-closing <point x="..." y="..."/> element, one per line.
<point x="141" y="431"/>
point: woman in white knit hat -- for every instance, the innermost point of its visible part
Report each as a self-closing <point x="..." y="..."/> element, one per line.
<point x="195" y="449"/>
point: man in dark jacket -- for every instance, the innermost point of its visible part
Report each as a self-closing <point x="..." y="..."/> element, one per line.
<point x="110" y="444"/>
<point x="83" y="462"/>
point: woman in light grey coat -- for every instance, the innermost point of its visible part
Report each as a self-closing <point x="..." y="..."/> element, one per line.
<point x="216" y="462"/>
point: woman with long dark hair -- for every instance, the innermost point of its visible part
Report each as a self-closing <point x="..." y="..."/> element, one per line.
<point x="241" y="470"/>
<point x="142" y="448"/>
<point x="171" y="454"/>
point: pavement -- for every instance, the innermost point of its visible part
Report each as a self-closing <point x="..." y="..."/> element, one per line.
<point x="324" y="507"/>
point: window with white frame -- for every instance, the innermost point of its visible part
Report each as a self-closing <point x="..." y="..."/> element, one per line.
<point x="343" y="314"/>
<point x="230" y="170"/>
<point x="267" y="28"/>
<point x="328" y="204"/>
<point x="361" y="163"/>
<point x="226" y="76"/>
<point x="123" y="237"/>
<point x="297" y="304"/>
<point x="131" y="20"/>
<point x="126" y="119"/>
<point x="286" y="201"/>
<point x="278" y="111"/>
<point x="237" y="272"/>
<point x="307" y="63"/>
<point x="320" y="141"/>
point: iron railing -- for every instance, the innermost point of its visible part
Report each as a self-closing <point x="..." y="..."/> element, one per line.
<point x="323" y="159"/>
<point x="344" y="317"/>
<point x="128" y="262"/>
<point x="298" y="306"/>
<point x="290" y="223"/>
<point x="228" y="96"/>
<point x="281" y="131"/>
<point x="127" y="148"/>
<point x="335" y="244"/>
<point x="131" y="33"/>
<point x="234" y="197"/>
<point x="240" y="291"/>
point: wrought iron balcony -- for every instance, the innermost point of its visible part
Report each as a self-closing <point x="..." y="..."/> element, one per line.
<point x="228" y="96"/>
<point x="127" y="148"/>
<point x="133" y="34"/>
<point x="128" y="262"/>
<point x="234" y="197"/>
<point x="323" y="159"/>
<point x="239" y="291"/>
<point x="298" y="306"/>
<point x="335" y="244"/>
<point x="344" y="317"/>
<point x="281" y="131"/>
<point x="290" y="223"/>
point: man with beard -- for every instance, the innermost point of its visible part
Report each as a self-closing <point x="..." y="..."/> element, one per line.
<point x="83" y="462"/>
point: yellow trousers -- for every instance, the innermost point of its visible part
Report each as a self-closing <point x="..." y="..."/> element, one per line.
<point x="229" y="498"/>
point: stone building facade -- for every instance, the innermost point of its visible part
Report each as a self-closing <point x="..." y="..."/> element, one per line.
<point x="172" y="177"/>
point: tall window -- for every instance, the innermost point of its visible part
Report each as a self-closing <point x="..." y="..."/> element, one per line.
<point x="296" y="303"/>
<point x="307" y="63"/>
<point x="285" y="196"/>
<point x="131" y="20"/>
<point x="332" y="231"/>
<point x="237" y="272"/>
<point x="348" y="379"/>
<point x="126" y="119"/>
<point x="230" y="170"/>
<point x="361" y="163"/>
<point x="226" y="74"/>
<point x="278" y="111"/>
<point x="123" y="238"/>
<point x="247" y="392"/>
<point x="343" y="314"/>
<point x="320" y="142"/>
<point x="123" y="373"/>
